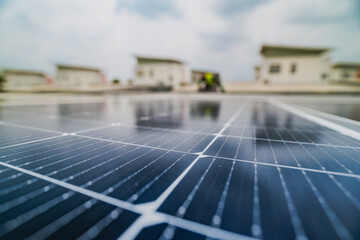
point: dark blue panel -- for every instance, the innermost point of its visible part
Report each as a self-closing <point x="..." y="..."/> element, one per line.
<point x="36" y="209"/>
<point x="159" y="232"/>
<point x="266" y="173"/>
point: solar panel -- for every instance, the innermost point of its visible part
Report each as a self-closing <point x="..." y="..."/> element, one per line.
<point x="164" y="167"/>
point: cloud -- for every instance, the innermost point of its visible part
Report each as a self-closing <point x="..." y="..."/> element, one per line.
<point x="222" y="35"/>
<point x="148" y="8"/>
<point x="232" y="7"/>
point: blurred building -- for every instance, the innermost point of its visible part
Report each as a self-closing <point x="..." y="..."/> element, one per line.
<point x="346" y="73"/>
<point x="16" y="79"/>
<point x="284" y="64"/>
<point x="68" y="76"/>
<point x="160" y="72"/>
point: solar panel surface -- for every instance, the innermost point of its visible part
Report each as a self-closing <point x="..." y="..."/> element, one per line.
<point x="173" y="166"/>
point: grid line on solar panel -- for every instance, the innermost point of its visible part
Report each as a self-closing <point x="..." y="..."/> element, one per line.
<point x="293" y="166"/>
<point x="10" y="135"/>
<point x="354" y="165"/>
<point x="276" y="163"/>
<point x="74" y="188"/>
<point x="347" y="193"/>
<point x="298" y="133"/>
<point x="68" y="166"/>
<point x="124" y="142"/>
<point x="182" y="223"/>
<point x="29" y="142"/>
<point x="138" y="135"/>
<point x="92" y="129"/>
<point x="158" y="232"/>
<point x="160" y="148"/>
<point x="341" y="196"/>
<point x="32" y="150"/>
<point x="133" y="144"/>
<point x="62" y="125"/>
<point x="331" y="165"/>
<point x="159" y="201"/>
<point x="49" y="206"/>
<point x="28" y="127"/>
<point x="316" y="139"/>
<point x="315" y="119"/>
<point x="299" y="229"/>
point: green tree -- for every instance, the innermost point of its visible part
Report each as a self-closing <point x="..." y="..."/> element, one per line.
<point x="116" y="81"/>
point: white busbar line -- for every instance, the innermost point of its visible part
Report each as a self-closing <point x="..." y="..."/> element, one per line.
<point x="33" y="141"/>
<point x="167" y="192"/>
<point x="203" y="229"/>
<point x="83" y="191"/>
<point x="201" y="154"/>
<point x="28" y="127"/>
<point x="150" y="208"/>
<point x="154" y="217"/>
<point x="341" y="129"/>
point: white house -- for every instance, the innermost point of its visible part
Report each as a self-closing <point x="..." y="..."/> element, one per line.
<point x="346" y="72"/>
<point x="16" y="79"/>
<point x="150" y="72"/>
<point x="287" y="65"/>
<point x="79" y="77"/>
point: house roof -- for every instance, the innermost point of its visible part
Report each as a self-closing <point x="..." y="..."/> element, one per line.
<point x="144" y="59"/>
<point x="79" y="68"/>
<point x="282" y="51"/>
<point x="346" y="65"/>
<point x="23" y="72"/>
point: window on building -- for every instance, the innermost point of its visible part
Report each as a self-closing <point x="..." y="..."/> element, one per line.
<point x="151" y="73"/>
<point x="346" y="75"/>
<point x="274" y="68"/>
<point x="140" y="73"/>
<point x="293" y="68"/>
<point x="324" y="76"/>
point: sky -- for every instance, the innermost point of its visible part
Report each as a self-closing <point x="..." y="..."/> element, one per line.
<point x="218" y="35"/>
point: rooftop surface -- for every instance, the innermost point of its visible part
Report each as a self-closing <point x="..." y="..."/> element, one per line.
<point x="22" y="72"/>
<point x="78" y="68"/>
<point x="282" y="51"/>
<point x="346" y="65"/>
<point x="148" y="59"/>
<point x="171" y="166"/>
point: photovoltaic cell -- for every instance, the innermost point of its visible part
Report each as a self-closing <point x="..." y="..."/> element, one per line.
<point x="168" y="231"/>
<point x="36" y="209"/>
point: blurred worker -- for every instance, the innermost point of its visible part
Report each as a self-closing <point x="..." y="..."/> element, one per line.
<point x="209" y="80"/>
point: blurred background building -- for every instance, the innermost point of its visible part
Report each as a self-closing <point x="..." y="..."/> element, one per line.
<point x="290" y="64"/>
<point x="161" y="72"/>
<point x="18" y="79"/>
<point x="68" y="76"/>
<point x="346" y="73"/>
